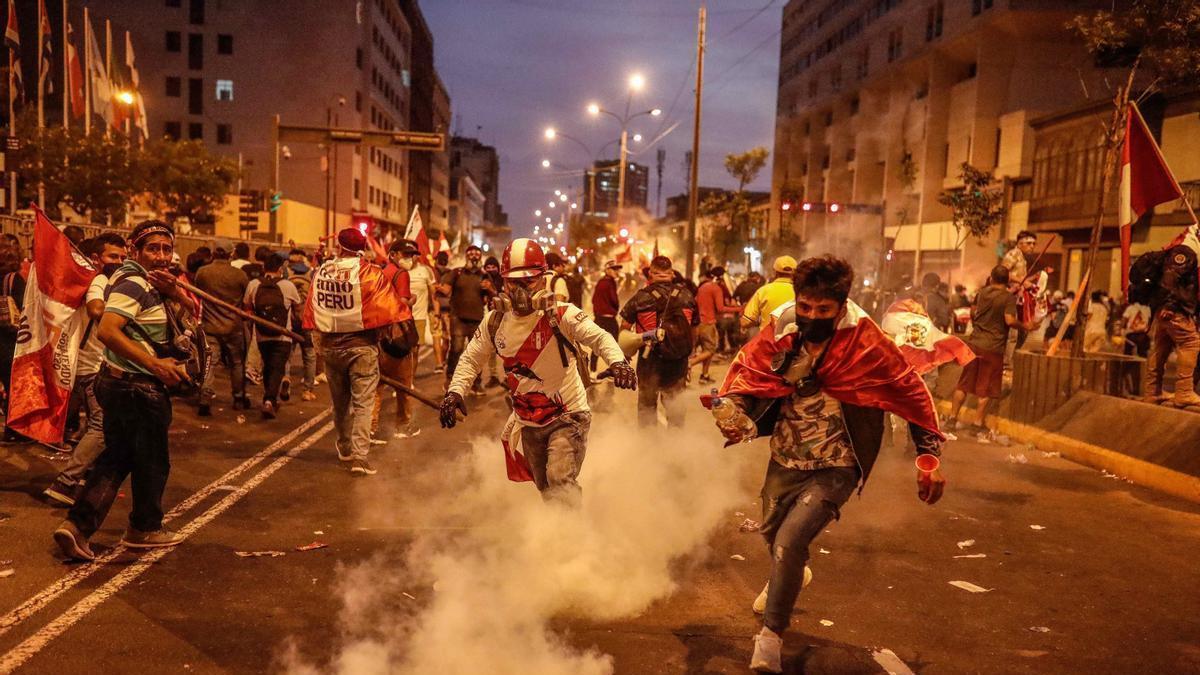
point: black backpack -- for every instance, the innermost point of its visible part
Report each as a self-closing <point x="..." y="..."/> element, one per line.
<point x="1145" y="277"/>
<point x="675" y="330"/>
<point x="270" y="305"/>
<point x="574" y="288"/>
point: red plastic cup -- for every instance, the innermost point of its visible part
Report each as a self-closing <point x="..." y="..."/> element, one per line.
<point x="928" y="463"/>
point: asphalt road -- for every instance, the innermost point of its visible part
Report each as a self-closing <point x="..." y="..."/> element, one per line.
<point x="439" y="565"/>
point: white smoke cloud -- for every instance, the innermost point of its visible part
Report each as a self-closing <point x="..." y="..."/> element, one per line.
<point x="495" y="564"/>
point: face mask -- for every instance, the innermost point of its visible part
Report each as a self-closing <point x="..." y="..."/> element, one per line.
<point x="299" y="268"/>
<point x="406" y="263"/>
<point x="110" y="269"/>
<point x="815" y="330"/>
<point x="518" y="299"/>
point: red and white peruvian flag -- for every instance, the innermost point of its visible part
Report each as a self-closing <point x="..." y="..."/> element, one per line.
<point x="1146" y="181"/>
<point x="923" y="345"/>
<point x="416" y="231"/>
<point x="43" y="370"/>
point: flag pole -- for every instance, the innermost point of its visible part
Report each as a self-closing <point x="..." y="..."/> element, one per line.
<point x="87" y="73"/>
<point x="40" y="91"/>
<point x="108" y="73"/>
<point x="66" y="90"/>
<point x="12" y="130"/>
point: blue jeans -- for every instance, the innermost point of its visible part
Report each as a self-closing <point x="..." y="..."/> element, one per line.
<point x="353" y="375"/>
<point x="232" y="346"/>
<point x="797" y="505"/>
<point x="137" y="415"/>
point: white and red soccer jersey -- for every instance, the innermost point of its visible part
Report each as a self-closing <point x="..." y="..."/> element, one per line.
<point x="542" y="388"/>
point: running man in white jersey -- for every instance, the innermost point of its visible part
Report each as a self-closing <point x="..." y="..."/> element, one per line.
<point x="535" y="335"/>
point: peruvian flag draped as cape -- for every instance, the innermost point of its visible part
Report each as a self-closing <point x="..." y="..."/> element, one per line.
<point x="351" y="294"/>
<point x="862" y="367"/>
<point x="43" y="370"/>
<point x="923" y="345"/>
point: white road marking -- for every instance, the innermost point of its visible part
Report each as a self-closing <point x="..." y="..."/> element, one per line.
<point x="38" y="641"/>
<point x="48" y="594"/>
<point x="890" y="662"/>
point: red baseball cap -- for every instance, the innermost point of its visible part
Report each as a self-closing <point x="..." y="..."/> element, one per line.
<point x="352" y="239"/>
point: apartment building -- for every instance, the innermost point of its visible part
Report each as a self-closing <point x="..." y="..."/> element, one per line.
<point x="220" y="71"/>
<point x="881" y="101"/>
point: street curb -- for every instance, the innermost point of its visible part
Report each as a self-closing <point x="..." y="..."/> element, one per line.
<point x="1139" y="471"/>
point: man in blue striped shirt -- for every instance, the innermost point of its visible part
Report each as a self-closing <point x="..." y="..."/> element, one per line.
<point x="132" y="391"/>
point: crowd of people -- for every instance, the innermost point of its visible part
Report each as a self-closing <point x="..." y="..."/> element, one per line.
<point x="809" y="367"/>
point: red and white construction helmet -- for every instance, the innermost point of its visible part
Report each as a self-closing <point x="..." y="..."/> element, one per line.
<point x="523" y="258"/>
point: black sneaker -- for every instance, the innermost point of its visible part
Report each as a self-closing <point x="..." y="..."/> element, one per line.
<point x="160" y="538"/>
<point x="285" y="391"/>
<point x="241" y="403"/>
<point x="61" y="492"/>
<point x="348" y="457"/>
<point x="361" y="467"/>
<point x="72" y="543"/>
<point x="204" y="410"/>
<point x="268" y="410"/>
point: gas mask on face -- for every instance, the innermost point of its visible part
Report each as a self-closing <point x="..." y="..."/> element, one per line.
<point x="521" y="298"/>
<point x="815" y="330"/>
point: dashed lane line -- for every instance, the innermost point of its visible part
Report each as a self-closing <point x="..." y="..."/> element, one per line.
<point x="39" y="640"/>
<point x="68" y="581"/>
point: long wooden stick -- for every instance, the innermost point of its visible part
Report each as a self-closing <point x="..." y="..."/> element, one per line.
<point x="241" y="312"/>
<point x="1070" y="317"/>
<point x="421" y="398"/>
<point x="1029" y="271"/>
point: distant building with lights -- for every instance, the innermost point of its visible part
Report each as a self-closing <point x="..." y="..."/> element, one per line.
<point x="600" y="200"/>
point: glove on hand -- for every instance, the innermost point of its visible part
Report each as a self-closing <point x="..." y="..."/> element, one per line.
<point x="623" y="375"/>
<point x="451" y="404"/>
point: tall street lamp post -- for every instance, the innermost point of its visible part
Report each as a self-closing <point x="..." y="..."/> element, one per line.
<point x="636" y="83"/>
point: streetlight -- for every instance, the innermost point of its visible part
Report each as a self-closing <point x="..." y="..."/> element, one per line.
<point x="561" y="196"/>
<point x="636" y="83"/>
<point x="545" y="164"/>
<point x="557" y="193"/>
<point x="538" y="213"/>
<point x="550" y="133"/>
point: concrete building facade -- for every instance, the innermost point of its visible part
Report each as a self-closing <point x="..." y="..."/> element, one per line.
<point x="606" y="177"/>
<point x="482" y="162"/>
<point x="881" y="101"/>
<point x="220" y="71"/>
<point x="468" y="206"/>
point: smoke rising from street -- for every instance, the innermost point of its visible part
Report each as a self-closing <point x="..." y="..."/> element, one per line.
<point x="481" y="582"/>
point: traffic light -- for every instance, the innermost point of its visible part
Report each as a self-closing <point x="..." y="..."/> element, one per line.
<point x="786" y="206"/>
<point x="276" y="202"/>
<point x="249" y="204"/>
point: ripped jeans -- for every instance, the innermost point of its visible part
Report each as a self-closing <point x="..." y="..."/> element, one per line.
<point x="797" y="506"/>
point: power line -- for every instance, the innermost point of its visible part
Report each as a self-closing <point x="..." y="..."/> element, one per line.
<point x="748" y="20"/>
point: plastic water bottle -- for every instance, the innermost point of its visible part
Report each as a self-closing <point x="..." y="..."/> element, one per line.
<point x="728" y="416"/>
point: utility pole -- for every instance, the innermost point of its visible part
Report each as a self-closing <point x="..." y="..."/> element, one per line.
<point x="328" y="166"/>
<point x="661" y="156"/>
<point x="693" y="192"/>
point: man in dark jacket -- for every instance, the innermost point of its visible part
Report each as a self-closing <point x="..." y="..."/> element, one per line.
<point x="818" y="379"/>
<point x="1174" y="327"/>
<point x="223" y="329"/>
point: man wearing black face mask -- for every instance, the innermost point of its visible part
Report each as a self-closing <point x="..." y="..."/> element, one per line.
<point x="817" y="379"/>
<point x="468" y="289"/>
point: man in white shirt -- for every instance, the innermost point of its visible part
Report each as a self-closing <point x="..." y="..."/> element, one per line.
<point x="421" y="284"/>
<point x="545" y="438"/>
<point x="106" y="253"/>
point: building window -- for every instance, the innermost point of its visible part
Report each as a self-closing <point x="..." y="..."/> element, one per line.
<point x="864" y="63"/>
<point x="850" y="155"/>
<point x="224" y="90"/>
<point x="358" y="58"/>
<point x="933" y="22"/>
<point x="196" y="12"/>
<point x="195" y="51"/>
<point x="196" y="131"/>
<point x="174" y="3"/>
<point x="406" y="77"/>
<point x="895" y="44"/>
<point x="835" y="78"/>
<point x="972" y="71"/>
<point x="224" y="134"/>
<point x="978" y="6"/>
<point x="356" y="184"/>
<point x="174" y="41"/>
<point x="195" y="96"/>
<point x="174" y="87"/>
<point x="812" y="88"/>
<point x="172" y="130"/>
<point x="854" y="106"/>
<point x="224" y="44"/>
<point x="829" y="118"/>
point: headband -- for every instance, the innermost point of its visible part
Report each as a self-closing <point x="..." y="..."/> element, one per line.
<point x="137" y="239"/>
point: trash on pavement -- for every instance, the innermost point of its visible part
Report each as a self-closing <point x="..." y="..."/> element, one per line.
<point x="312" y="547"/>
<point x="973" y="555"/>
<point x="749" y="525"/>
<point x="966" y="543"/>
<point x="822" y="550"/>
<point x="738" y="514"/>
<point x="1051" y="454"/>
<point x="968" y="586"/>
<point x="410" y="597"/>
<point x="1018" y="459"/>
<point x="950" y="436"/>
<point x="826" y="622"/>
<point x="1036" y="527"/>
<point x="241" y="419"/>
<point x="1039" y="629"/>
<point x="7" y="573"/>
<point x="318" y="532"/>
<point x="258" y="554"/>
<point x="737" y="556"/>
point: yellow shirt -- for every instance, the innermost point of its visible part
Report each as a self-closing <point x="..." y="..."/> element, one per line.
<point x="767" y="299"/>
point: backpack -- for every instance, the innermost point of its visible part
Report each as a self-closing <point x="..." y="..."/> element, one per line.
<point x="1145" y="277"/>
<point x="303" y="284"/>
<point x="10" y="314"/>
<point x="574" y="287"/>
<point x="675" y="330"/>
<point x="270" y="305"/>
<point x="399" y="339"/>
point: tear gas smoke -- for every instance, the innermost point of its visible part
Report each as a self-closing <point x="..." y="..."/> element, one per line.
<point x="492" y="564"/>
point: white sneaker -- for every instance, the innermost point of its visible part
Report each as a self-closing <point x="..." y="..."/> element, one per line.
<point x="760" y="603"/>
<point x="767" y="647"/>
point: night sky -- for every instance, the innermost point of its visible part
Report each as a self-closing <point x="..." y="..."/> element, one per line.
<point x="514" y="67"/>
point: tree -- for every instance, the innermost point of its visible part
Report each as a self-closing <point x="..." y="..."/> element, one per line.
<point x="100" y="175"/>
<point x="745" y="167"/>
<point x="731" y="211"/>
<point x="186" y="179"/>
<point x="976" y="208"/>
<point x="1154" y="40"/>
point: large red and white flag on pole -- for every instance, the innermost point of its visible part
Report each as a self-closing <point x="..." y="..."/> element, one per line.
<point x="924" y="346"/>
<point x="416" y="231"/>
<point x="43" y="369"/>
<point x="1146" y="181"/>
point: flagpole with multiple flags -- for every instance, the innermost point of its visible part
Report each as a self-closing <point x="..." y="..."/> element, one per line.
<point x="66" y="95"/>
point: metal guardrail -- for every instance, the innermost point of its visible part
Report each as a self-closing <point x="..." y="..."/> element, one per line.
<point x="185" y="244"/>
